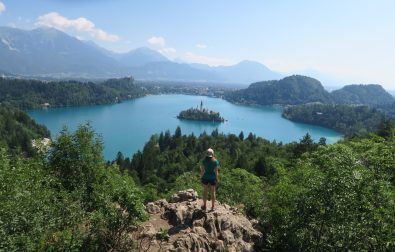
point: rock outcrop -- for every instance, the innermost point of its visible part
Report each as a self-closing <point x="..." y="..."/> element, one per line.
<point x="181" y="225"/>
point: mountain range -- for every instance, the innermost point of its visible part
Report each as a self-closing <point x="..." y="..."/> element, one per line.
<point x="47" y="52"/>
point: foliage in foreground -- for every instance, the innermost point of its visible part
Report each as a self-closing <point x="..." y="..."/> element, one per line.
<point x="17" y="130"/>
<point x="308" y="196"/>
<point x="167" y="157"/>
<point x="340" y="197"/>
<point x="350" y="120"/>
<point x="68" y="200"/>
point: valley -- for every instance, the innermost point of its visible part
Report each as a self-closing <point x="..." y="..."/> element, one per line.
<point x="166" y="126"/>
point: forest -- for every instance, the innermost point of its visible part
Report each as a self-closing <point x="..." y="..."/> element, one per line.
<point x="293" y="90"/>
<point x="349" y="120"/>
<point x="30" y="94"/>
<point x="306" y="195"/>
<point x="297" y="89"/>
<point x="67" y="198"/>
<point x="17" y="130"/>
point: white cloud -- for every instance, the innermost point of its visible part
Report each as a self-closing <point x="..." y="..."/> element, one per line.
<point x="102" y="35"/>
<point x="212" y="61"/>
<point x="2" y="7"/>
<point x="201" y="46"/>
<point x="82" y="25"/>
<point x="160" y="41"/>
<point x="168" y="50"/>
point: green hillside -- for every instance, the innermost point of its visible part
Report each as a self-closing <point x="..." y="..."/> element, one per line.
<point x="294" y="89"/>
<point x="17" y="129"/>
<point x="372" y="95"/>
<point x="26" y="94"/>
<point x="337" y="195"/>
<point x="350" y="120"/>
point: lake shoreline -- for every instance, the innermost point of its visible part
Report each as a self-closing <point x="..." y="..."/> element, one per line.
<point x="127" y="126"/>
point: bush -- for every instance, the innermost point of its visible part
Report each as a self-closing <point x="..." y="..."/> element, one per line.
<point x="332" y="200"/>
<point x="67" y="201"/>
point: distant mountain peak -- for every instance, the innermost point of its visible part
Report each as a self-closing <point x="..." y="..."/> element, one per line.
<point x="148" y="51"/>
<point x="249" y="62"/>
<point x="46" y="51"/>
<point x="144" y="49"/>
<point x="50" y="31"/>
<point x="46" y="29"/>
<point x="141" y="56"/>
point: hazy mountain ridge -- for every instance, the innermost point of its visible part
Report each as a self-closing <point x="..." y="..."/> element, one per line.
<point x="173" y="71"/>
<point x="52" y="53"/>
<point x="245" y="71"/>
<point x="140" y="57"/>
<point x="47" y="51"/>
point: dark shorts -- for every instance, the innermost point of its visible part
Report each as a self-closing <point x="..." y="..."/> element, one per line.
<point x="209" y="181"/>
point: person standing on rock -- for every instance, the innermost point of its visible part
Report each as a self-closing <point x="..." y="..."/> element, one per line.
<point x="209" y="177"/>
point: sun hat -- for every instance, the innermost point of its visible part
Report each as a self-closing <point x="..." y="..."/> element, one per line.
<point x="209" y="152"/>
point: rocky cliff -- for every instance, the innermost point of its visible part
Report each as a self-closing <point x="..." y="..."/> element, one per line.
<point x="181" y="225"/>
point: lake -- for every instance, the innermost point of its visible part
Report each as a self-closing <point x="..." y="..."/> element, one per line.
<point x="127" y="126"/>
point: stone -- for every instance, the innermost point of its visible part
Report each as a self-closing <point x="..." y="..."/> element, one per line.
<point x="162" y="203"/>
<point x="227" y="236"/>
<point x="198" y="223"/>
<point x="152" y="208"/>
<point x="219" y="246"/>
<point x="192" y="229"/>
<point x="225" y="223"/>
<point x="187" y="195"/>
<point x="148" y="230"/>
<point x="192" y="242"/>
<point x="199" y="230"/>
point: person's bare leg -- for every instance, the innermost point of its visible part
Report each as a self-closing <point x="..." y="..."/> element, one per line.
<point x="205" y="191"/>
<point x="213" y="196"/>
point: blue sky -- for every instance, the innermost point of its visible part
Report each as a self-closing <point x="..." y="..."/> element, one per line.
<point x="351" y="40"/>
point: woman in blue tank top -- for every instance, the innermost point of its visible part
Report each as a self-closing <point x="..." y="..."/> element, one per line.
<point x="209" y="177"/>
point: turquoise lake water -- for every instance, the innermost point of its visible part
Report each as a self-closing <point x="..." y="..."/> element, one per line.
<point x="127" y="126"/>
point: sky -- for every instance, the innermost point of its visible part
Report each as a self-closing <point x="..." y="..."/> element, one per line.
<point x="348" y="40"/>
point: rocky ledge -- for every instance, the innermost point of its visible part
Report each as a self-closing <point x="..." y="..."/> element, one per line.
<point x="180" y="225"/>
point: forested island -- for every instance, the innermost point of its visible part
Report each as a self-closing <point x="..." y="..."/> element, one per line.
<point x="200" y="114"/>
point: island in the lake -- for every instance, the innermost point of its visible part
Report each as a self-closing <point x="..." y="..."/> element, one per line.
<point x="200" y="114"/>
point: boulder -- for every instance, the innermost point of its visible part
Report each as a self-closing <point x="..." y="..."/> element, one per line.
<point x="192" y="229"/>
<point x="187" y="195"/>
<point x="152" y="208"/>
